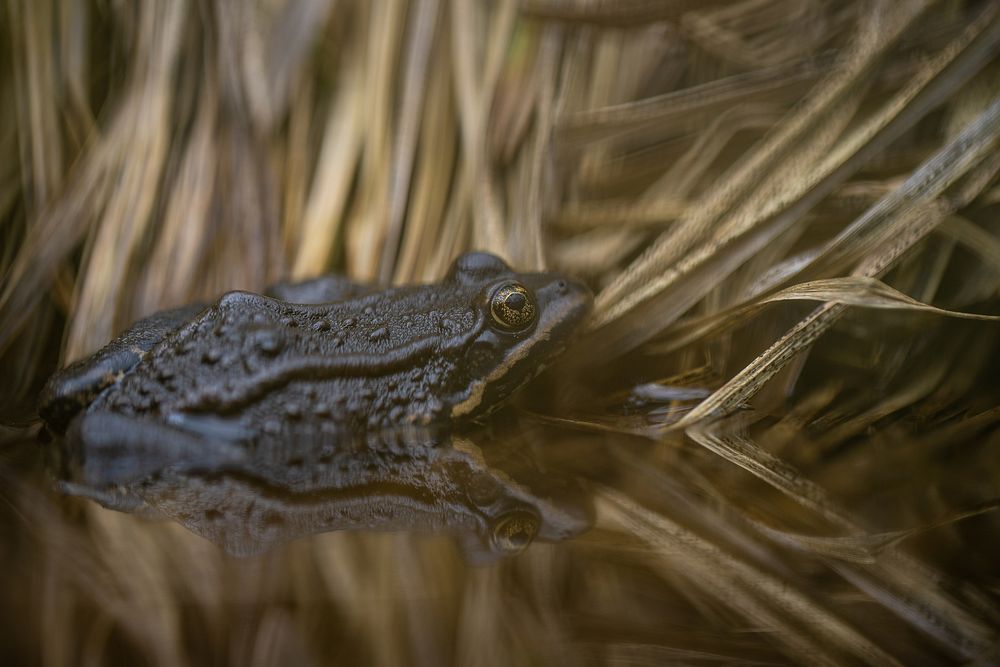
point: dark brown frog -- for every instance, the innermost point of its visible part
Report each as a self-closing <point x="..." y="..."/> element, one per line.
<point x="207" y="388"/>
<point x="423" y="354"/>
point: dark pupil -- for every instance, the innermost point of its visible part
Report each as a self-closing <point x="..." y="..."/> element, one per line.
<point x="520" y="538"/>
<point x="516" y="301"/>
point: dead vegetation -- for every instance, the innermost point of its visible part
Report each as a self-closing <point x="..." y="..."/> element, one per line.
<point x="788" y="210"/>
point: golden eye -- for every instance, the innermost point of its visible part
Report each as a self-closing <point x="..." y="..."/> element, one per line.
<point x="514" y="532"/>
<point x="513" y="307"/>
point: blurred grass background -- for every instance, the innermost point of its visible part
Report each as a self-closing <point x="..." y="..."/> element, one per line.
<point x="788" y="210"/>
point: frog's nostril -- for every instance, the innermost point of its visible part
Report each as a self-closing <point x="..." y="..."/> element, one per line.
<point x="561" y="286"/>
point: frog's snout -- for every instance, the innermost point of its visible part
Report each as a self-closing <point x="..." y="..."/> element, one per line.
<point x="566" y="303"/>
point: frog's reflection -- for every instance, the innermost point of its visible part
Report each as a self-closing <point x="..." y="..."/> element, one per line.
<point x="493" y="496"/>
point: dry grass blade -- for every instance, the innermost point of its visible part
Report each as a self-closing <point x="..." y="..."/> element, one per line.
<point x="476" y="73"/>
<point x="135" y="138"/>
<point x="596" y="251"/>
<point x="525" y="236"/>
<point x="366" y="228"/>
<point x="913" y="591"/>
<point x="622" y="120"/>
<point x="579" y="217"/>
<point x="35" y="72"/>
<point x="858" y="291"/>
<point x="913" y="205"/>
<point x="826" y="104"/>
<point x="611" y="12"/>
<point x="284" y="54"/>
<point x="434" y="169"/>
<point x="682" y="178"/>
<point x="741" y="451"/>
<point x="654" y="273"/>
<point x="184" y="230"/>
<point x="763" y="600"/>
<point x="864" y="548"/>
<point x="918" y="595"/>
<point x="973" y="237"/>
<point x="338" y="158"/>
<point x="754" y="32"/>
<point x="830" y="501"/>
<point x="422" y="31"/>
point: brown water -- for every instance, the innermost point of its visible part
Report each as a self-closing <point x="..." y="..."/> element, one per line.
<point x="769" y="198"/>
<point x="821" y="529"/>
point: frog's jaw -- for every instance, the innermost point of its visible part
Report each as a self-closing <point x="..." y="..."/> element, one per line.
<point x="563" y="305"/>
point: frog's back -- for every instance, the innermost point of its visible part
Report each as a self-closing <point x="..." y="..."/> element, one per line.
<point x="359" y="362"/>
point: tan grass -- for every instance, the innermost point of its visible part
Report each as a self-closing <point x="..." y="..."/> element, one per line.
<point x="785" y="404"/>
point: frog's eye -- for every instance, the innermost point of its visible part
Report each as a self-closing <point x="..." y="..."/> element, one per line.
<point x="513" y="307"/>
<point x="514" y="531"/>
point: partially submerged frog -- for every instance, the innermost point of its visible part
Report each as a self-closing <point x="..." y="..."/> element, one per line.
<point x="194" y="387"/>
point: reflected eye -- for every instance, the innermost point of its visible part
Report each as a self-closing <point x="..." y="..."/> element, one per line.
<point x="513" y="307"/>
<point x="514" y="531"/>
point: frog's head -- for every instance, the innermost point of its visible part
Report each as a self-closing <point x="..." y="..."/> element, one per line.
<point x="525" y="320"/>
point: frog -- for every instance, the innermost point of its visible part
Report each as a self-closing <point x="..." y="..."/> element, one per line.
<point x="251" y="364"/>
<point x="200" y="383"/>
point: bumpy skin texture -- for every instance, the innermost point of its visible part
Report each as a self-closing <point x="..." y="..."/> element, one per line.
<point x="78" y="384"/>
<point x="228" y="406"/>
<point x="427" y="354"/>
